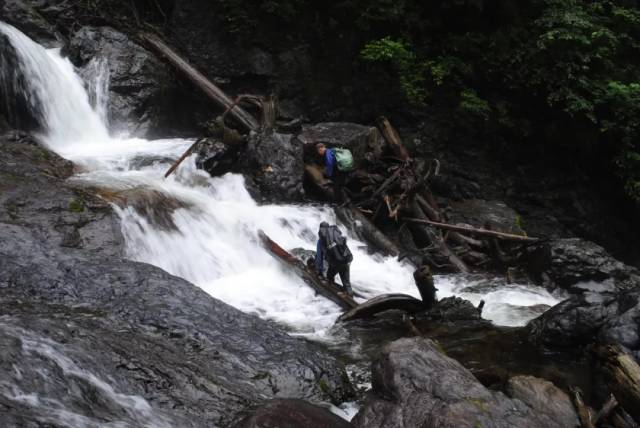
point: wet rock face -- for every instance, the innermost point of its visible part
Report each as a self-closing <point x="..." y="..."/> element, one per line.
<point x="591" y="318"/>
<point x="288" y="413"/>
<point x="139" y="83"/>
<point x="14" y="104"/>
<point x="275" y="162"/>
<point x="451" y="309"/>
<point x="495" y="215"/>
<point x="548" y="401"/>
<point x="359" y="139"/>
<point x="134" y="327"/>
<point x="579" y="266"/>
<point x="414" y="384"/>
<point x="25" y="17"/>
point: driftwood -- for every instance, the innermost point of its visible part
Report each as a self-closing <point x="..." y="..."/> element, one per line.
<point x="366" y="230"/>
<point x="606" y="409"/>
<point x="212" y="91"/>
<point x="622" y="375"/>
<point x="323" y="288"/>
<point x="585" y="414"/>
<point x="471" y="231"/>
<point x="381" y="303"/>
<point x="181" y="158"/>
<point x="391" y="135"/>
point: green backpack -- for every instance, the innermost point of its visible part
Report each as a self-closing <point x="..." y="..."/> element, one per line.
<point x="344" y="159"/>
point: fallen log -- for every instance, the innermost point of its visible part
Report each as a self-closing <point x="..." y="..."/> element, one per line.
<point x="436" y="240"/>
<point x="622" y="375"/>
<point x="381" y="303"/>
<point x="471" y="230"/>
<point x="606" y="410"/>
<point x="177" y="163"/>
<point x="585" y="414"/>
<point x="323" y="288"/>
<point x="393" y="139"/>
<point x="366" y="230"/>
<point x="198" y="79"/>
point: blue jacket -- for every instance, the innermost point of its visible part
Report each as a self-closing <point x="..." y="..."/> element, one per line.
<point x="329" y="161"/>
<point x="319" y="257"/>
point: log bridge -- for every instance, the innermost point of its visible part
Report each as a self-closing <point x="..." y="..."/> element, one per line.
<point x="352" y="309"/>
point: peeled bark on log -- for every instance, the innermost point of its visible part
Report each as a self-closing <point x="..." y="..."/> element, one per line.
<point x="471" y="231"/>
<point x="324" y="288"/>
<point x="585" y="414"/>
<point x="381" y="303"/>
<point x="198" y="79"/>
<point x="366" y="230"/>
<point x="622" y="376"/>
<point x="391" y="135"/>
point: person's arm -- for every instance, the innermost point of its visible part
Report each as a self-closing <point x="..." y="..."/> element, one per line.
<point x="319" y="258"/>
<point x="330" y="160"/>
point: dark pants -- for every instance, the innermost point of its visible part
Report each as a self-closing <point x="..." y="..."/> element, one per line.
<point x="343" y="271"/>
<point x="340" y="180"/>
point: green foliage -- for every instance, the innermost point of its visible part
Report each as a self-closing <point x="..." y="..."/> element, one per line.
<point x="471" y="103"/>
<point x="572" y="60"/>
<point x="400" y="56"/>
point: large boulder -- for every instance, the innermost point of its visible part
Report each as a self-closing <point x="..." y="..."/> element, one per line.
<point x="24" y="16"/>
<point x="415" y="384"/>
<point x="102" y="338"/>
<point x="290" y="413"/>
<point x="363" y="141"/>
<point x="588" y="318"/>
<point x="139" y="83"/>
<point x="546" y="399"/>
<point x="577" y="265"/>
<point x="479" y="213"/>
<point x="275" y="162"/>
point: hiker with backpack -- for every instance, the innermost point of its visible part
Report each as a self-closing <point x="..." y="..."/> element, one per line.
<point x="333" y="246"/>
<point x="338" y="165"/>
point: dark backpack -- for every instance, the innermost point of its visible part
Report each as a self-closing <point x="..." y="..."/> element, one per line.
<point x="336" y="245"/>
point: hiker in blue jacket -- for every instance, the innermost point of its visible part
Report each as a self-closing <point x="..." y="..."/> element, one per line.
<point x="333" y="172"/>
<point x="333" y="246"/>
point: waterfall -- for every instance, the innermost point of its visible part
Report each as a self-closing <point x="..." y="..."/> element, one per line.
<point x="205" y="229"/>
<point x="56" y="91"/>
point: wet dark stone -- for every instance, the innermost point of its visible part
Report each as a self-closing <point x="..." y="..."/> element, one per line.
<point x="24" y="16"/>
<point x="359" y="139"/>
<point x="140" y="85"/>
<point x="288" y="413"/>
<point x="217" y="158"/>
<point x="15" y="108"/>
<point x="590" y="318"/>
<point x="480" y="213"/>
<point x="275" y="163"/>
<point x="547" y="400"/>
<point x="137" y="328"/>
<point x="451" y="309"/>
<point x="415" y="384"/>
<point x="579" y="266"/>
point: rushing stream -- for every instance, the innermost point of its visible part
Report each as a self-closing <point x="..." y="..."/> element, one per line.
<point x="205" y="229"/>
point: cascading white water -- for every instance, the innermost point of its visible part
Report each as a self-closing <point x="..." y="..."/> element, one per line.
<point x="212" y="239"/>
<point x="56" y="90"/>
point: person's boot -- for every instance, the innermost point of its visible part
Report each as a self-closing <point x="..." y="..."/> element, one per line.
<point x="348" y="290"/>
